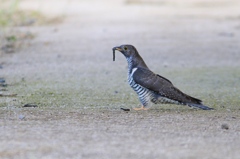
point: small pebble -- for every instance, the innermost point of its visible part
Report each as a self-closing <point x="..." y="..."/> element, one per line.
<point x="21" y="117"/>
<point x="2" y="80"/>
<point x="30" y="105"/>
<point x="225" y="126"/>
<point x="3" y="85"/>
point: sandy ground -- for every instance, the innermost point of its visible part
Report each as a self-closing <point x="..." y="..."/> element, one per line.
<point x="68" y="72"/>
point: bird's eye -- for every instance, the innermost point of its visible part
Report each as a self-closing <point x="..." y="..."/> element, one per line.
<point x="125" y="48"/>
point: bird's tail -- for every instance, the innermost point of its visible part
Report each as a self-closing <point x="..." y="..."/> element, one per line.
<point x="200" y="106"/>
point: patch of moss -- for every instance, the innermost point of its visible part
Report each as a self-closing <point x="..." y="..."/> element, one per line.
<point x="216" y="86"/>
<point x="11" y="16"/>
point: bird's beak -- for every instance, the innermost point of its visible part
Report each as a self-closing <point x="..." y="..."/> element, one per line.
<point x="116" y="48"/>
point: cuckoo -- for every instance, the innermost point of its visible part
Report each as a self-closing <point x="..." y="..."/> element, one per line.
<point x="151" y="87"/>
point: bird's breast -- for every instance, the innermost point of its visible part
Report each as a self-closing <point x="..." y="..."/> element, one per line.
<point x="144" y="94"/>
<point x="131" y="82"/>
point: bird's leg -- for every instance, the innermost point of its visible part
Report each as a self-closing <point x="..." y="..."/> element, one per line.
<point x="142" y="108"/>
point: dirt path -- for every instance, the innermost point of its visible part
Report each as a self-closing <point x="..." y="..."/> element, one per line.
<point x="69" y="74"/>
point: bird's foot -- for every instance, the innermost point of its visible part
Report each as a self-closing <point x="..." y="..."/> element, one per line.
<point x="142" y="108"/>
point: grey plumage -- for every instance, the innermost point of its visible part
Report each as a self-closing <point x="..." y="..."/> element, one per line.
<point x="152" y="87"/>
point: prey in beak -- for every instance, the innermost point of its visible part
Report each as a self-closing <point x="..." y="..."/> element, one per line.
<point x="116" y="48"/>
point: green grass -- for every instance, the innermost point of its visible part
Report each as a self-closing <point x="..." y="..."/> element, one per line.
<point x="7" y="11"/>
<point x="216" y="86"/>
<point x="12" y="16"/>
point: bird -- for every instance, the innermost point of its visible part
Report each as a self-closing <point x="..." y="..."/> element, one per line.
<point x="151" y="87"/>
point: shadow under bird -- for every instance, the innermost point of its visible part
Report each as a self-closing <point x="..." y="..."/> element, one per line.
<point x="152" y="87"/>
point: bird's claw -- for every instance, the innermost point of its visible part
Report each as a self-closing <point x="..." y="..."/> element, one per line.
<point x="142" y="108"/>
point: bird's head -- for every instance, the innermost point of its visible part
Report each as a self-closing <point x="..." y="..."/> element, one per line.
<point x="131" y="53"/>
<point x="126" y="50"/>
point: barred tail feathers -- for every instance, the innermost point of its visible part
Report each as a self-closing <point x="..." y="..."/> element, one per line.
<point x="200" y="106"/>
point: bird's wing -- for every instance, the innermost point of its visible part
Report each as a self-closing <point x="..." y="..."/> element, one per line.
<point x="161" y="86"/>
